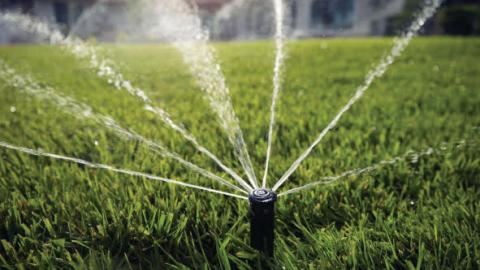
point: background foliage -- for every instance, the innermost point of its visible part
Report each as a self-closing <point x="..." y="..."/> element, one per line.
<point x="455" y="17"/>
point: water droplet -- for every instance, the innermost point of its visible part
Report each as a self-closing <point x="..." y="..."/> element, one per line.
<point x="96" y="143"/>
<point x="443" y="147"/>
<point x="13" y="109"/>
<point x="414" y="158"/>
<point x="412" y="203"/>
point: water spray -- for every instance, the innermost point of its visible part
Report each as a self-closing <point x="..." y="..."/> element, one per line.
<point x="262" y="220"/>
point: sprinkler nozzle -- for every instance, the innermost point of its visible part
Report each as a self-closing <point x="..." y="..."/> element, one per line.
<point x="262" y="220"/>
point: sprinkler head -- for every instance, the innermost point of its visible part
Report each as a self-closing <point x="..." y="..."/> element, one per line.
<point x="262" y="196"/>
<point x="262" y="220"/>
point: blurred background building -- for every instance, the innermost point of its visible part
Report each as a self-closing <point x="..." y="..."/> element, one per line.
<point x="64" y="12"/>
<point x="308" y="18"/>
<point x="253" y="19"/>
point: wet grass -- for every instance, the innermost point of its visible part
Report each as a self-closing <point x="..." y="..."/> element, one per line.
<point x="422" y="214"/>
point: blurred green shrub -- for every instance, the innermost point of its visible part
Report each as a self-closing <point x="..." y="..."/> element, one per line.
<point x="452" y="19"/>
<point x="460" y="20"/>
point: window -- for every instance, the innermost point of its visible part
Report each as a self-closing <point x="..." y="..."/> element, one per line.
<point x="24" y="6"/>
<point x="78" y="12"/>
<point x="377" y="4"/>
<point x="27" y="6"/>
<point x="344" y="7"/>
<point x="375" y="28"/>
<point x="321" y="13"/>
<point x="61" y="12"/>
<point x="343" y="13"/>
<point x="293" y="14"/>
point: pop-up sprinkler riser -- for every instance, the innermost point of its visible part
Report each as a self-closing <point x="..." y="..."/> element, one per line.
<point x="262" y="220"/>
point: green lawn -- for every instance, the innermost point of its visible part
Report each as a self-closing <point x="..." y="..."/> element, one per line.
<point x="423" y="214"/>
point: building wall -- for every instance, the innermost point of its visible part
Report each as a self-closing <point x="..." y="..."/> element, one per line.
<point x="241" y="19"/>
<point x="366" y="17"/>
<point x="372" y="20"/>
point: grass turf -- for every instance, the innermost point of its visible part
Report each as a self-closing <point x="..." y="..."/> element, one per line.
<point x="421" y="214"/>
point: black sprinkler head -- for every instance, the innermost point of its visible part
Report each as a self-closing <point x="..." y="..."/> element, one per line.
<point x="262" y="220"/>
